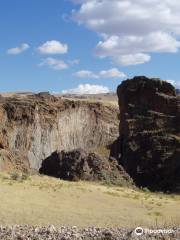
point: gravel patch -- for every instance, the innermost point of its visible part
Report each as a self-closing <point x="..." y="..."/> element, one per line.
<point x="17" y="232"/>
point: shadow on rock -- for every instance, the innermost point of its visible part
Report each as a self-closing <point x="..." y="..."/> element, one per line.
<point x="81" y="165"/>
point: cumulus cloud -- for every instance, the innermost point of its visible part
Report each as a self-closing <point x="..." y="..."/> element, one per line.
<point x="176" y="84"/>
<point x="54" y="64"/>
<point x="17" y="50"/>
<point x="79" y="1"/>
<point x="111" y="73"/>
<point x="87" y="89"/>
<point x="53" y="47"/>
<point x="131" y="59"/>
<point x="74" y="62"/>
<point x="132" y="29"/>
<point x="85" y="74"/>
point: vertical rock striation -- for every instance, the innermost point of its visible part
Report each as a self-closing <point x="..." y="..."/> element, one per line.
<point x="150" y="132"/>
<point x="34" y="127"/>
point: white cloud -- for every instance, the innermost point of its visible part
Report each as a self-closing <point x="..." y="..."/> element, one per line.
<point x="87" y="89"/>
<point x="85" y="74"/>
<point x="131" y="59"/>
<point x="54" y="64"/>
<point x="171" y="81"/>
<point x="17" y="50"/>
<point x="74" y="62"/>
<point x="79" y="1"/>
<point x="111" y="73"/>
<point x="132" y="29"/>
<point x="53" y="47"/>
<point x="176" y="84"/>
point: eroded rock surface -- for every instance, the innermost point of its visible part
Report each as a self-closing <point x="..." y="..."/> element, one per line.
<point x="79" y="164"/>
<point x="149" y="147"/>
<point x="32" y="127"/>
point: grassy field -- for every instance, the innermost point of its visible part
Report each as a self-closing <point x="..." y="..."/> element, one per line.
<point x="41" y="200"/>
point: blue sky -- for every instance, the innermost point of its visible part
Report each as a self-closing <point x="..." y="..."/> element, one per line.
<point x="56" y="45"/>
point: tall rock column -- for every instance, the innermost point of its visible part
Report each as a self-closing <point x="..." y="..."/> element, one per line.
<point x="149" y="133"/>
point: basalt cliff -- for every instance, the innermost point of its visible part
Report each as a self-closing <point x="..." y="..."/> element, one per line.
<point x="149" y="145"/>
<point x="79" y="138"/>
<point x="35" y="126"/>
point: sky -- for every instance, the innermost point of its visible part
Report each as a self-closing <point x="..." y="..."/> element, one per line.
<point x="87" y="46"/>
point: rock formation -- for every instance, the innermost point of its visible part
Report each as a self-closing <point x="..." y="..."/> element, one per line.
<point x="32" y="127"/>
<point x="36" y="128"/>
<point x="149" y="144"/>
<point x="79" y="164"/>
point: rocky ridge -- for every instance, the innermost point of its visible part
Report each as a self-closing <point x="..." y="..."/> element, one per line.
<point x="35" y="126"/>
<point x="62" y="134"/>
<point x="149" y="146"/>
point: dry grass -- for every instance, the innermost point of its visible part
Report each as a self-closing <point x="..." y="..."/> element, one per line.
<point x="105" y="102"/>
<point x="102" y="151"/>
<point x="40" y="200"/>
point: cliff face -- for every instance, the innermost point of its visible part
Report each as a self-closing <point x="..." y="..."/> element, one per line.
<point x="39" y="127"/>
<point x="149" y="146"/>
<point x="34" y="127"/>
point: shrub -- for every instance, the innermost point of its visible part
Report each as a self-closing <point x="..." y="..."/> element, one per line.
<point x="145" y="189"/>
<point x="15" y="176"/>
<point x="24" y="176"/>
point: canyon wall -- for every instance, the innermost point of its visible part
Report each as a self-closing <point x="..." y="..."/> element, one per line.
<point x="146" y="142"/>
<point x="149" y="146"/>
<point x="34" y="127"/>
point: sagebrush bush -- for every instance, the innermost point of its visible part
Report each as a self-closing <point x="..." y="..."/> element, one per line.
<point x="24" y="176"/>
<point x="14" y="176"/>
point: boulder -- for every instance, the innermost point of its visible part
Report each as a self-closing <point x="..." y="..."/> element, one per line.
<point x="81" y="165"/>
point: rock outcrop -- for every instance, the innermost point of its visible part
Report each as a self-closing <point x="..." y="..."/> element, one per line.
<point x="149" y="144"/>
<point x="32" y="127"/>
<point x="36" y="128"/>
<point x="81" y="165"/>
